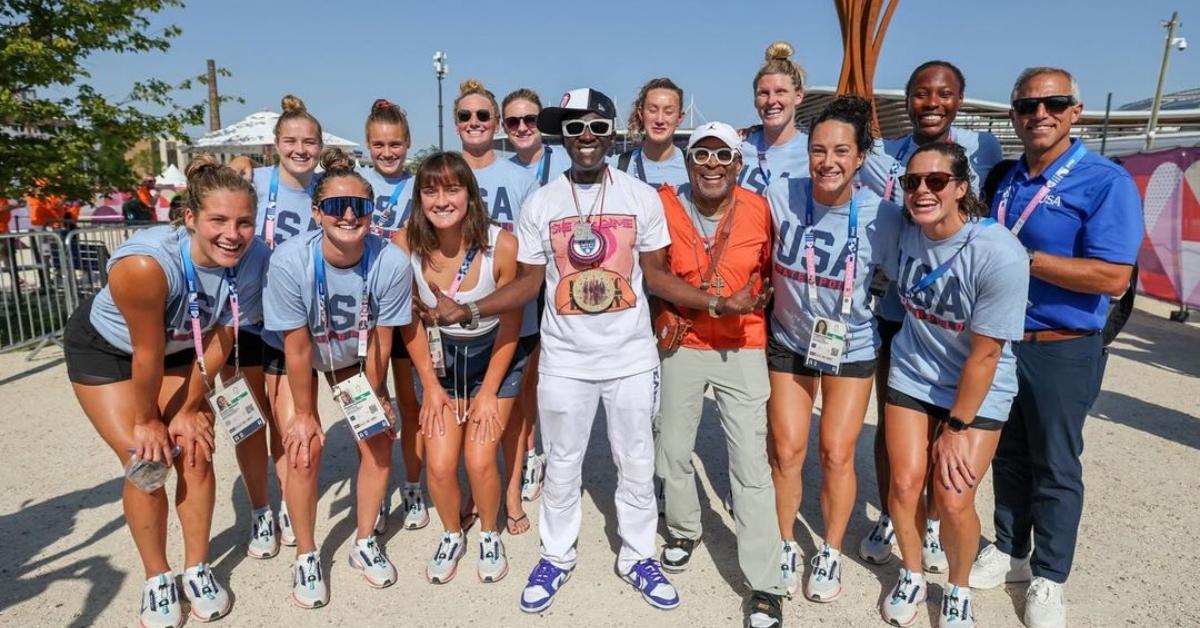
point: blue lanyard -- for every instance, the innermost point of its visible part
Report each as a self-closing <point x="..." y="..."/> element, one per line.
<point x="1055" y="179"/>
<point x="384" y="214"/>
<point x="193" y="303"/>
<point x="937" y="273"/>
<point x="543" y="169"/>
<point x="810" y="245"/>
<point x="364" y="306"/>
<point x="762" y="158"/>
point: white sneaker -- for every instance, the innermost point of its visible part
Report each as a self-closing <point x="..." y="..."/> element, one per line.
<point x="381" y="519"/>
<point x="444" y="565"/>
<point x="493" y="564"/>
<point x="534" y="475"/>
<point x="1044" y="606"/>
<point x="824" y="582"/>
<point x="416" y="516"/>
<point x="209" y="600"/>
<point x="957" y="609"/>
<point x="789" y="563"/>
<point x="933" y="557"/>
<point x="264" y="542"/>
<point x="903" y="604"/>
<point x="993" y="568"/>
<point x="308" y="581"/>
<point x="367" y="558"/>
<point x="286" y="535"/>
<point x="876" y="547"/>
<point x="160" y="603"/>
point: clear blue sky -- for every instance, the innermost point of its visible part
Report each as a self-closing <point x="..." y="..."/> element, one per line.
<point x="340" y="56"/>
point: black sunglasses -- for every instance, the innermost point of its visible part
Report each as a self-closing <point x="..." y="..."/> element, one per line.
<point x="512" y="123"/>
<point x="1053" y="104"/>
<point x="935" y="181"/>
<point x="335" y="206"/>
<point x="483" y="115"/>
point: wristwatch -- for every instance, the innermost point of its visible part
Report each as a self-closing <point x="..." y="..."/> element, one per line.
<point x="474" y="322"/>
<point x="713" y="302"/>
<point x="956" y="424"/>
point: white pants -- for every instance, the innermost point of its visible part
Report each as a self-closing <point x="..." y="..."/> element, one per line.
<point x="567" y="408"/>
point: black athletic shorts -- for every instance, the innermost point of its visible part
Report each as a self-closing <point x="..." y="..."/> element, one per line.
<point x="887" y="331"/>
<point x="273" y="362"/>
<point x="94" y="361"/>
<point x="250" y="349"/>
<point x="897" y="398"/>
<point x="782" y="359"/>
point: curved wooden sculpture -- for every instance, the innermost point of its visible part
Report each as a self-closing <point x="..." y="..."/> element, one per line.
<point x="864" y="24"/>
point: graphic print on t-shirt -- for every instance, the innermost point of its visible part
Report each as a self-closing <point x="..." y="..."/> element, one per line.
<point x="940" y="304"/>
<point x="790" y="262"/>
<point x="598" y="287"/>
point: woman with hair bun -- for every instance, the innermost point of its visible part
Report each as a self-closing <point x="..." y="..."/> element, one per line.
<point x="333" y="298"/>
<point x="963" y="282"/>
<point x="778" y="149"/>
<point x="829" y="237"/>
<point x="141" y="357"/>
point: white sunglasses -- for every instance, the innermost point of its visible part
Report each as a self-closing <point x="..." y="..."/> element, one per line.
<point x="600" y="127"/>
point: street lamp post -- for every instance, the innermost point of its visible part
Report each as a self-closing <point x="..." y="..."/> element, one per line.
<point x="1172" y="42"/>
<point x="441" y="68"/>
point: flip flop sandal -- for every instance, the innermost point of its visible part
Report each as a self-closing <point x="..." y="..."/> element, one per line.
<point x="514" y="521"/>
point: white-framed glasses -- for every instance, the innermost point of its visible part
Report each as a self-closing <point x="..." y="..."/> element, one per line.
<point x="600" y="127"/>
<point x="701" y="155"/>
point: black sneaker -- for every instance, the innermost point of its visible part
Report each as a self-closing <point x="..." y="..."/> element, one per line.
<point x="765" y="610"/>
<point x="677" y="553"/>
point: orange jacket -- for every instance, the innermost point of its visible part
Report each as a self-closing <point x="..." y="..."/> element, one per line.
<point x="45" y="210"/>
<point x="748" y="251"/>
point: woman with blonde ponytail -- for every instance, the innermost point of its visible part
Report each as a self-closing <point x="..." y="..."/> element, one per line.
<point x="655" y="115"/>
<point x="142" y="357"/>
<point x="777" y="150"/>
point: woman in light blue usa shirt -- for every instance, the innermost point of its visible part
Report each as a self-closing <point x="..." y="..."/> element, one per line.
<point x="655" y="115"/>
<point x="540" y="160"/>
<point x="777" y="150"/>
<point x="963" y="282"/>
<point x="828" y="240"/>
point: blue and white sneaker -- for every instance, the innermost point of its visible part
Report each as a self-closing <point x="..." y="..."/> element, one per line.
<point x="647" y="577"/>
<point x="876" y="547"/>
<point x="264" y="542"/>
<point x="286" y="535"/>
<point x="544" y="582"/>
<point x="957" y="609"/>
<point x="368" y="558"/>
<point x="902" y="605"/>
<point x="493" y="564"/>
<point x="825" y="580"/>
<point x="444" y="565"/>
<point x="308" y="581"/>
<point x="209" y="600"/>
<point x="381" y="519"/>
<point x="160" y="603"/>
<point x="532" y="476"/>
<point x="416" y="516"/>
<point x="933" y="556"/>
<point x="789" y="564"/>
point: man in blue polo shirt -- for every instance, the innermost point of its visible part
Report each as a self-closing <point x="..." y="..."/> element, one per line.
<point x="1080" y="218"/>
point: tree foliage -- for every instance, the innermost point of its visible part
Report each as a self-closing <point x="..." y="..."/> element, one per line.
<point x="55" y="125"/>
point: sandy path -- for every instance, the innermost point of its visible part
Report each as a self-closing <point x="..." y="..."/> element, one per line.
<point x="66" y="559"/>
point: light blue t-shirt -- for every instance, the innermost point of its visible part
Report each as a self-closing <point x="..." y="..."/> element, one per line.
<point x="553" y="162"/>
<point x="672" y="170"/>
<point x="504" y="186"/>
<point x="293" y="206"/>
<point x="390" y="216"/>
<point x="793" y="313"/>
<point x="983" y="291"/>
<point x="761" y="168"/>
<point x="163" y="244"/>
<point x="291" y="297"/>
<point x="983" y="152"/>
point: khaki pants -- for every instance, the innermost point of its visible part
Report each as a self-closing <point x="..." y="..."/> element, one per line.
<point x="739" y="382"/>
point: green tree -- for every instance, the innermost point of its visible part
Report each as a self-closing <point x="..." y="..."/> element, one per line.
<point x="414" y="159"/>
<point x="54" y="125"/>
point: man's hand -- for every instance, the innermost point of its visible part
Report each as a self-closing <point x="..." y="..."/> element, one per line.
<point x="743" y="301"/>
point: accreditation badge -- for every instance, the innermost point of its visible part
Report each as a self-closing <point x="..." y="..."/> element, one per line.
<point x="826" y="345"/>
<point x="437" y="353"/>
<point x="361" y="406"/>
<point x="237" y="409"/>
<point x="594" y="290"/>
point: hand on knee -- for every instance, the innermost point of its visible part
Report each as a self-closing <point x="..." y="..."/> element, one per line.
<point x="953" y="507"/>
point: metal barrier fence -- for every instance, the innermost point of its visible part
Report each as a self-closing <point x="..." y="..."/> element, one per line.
<point x="44" y="277"/>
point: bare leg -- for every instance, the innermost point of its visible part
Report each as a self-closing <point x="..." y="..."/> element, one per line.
<point x="412" y="445"/>
<point x="442" y="452"/>
<point x="789" y="413"/>
<point x="843" y="408"/>
<point x="300" y="490"/>
<point x="908" y="436"/>
<point x="960" y="521"/>
<point x="374" y="470"/>
<point x="252" y="453"/>
<point x="483" y="474"/>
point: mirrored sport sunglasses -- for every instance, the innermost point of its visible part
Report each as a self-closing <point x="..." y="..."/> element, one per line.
<point x="1053" y="104"/>
<point x="935" y="181"/>
<point x="483" y="115"/>
<point x="335" y="206"/>
<point x="701" y="156"/>
<point x="512" y="123"/>
<point x="600" y="127"/>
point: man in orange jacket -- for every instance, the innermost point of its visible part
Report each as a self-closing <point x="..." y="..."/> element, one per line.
<point x="720" y="239"/>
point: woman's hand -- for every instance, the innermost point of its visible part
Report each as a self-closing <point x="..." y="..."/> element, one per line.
<point x="151" y="441"/>
<point x="433" y="406"/>
<point x="484" y="418"/>
<point x="297" y="439"/>
<point x="192" y="431"/>
<point x="952" y="455"/>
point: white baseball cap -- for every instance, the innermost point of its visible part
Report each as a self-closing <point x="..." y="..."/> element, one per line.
<point x="719" y="130"/>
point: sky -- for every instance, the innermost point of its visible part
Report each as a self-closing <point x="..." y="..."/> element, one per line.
<point x="339" y="57"/>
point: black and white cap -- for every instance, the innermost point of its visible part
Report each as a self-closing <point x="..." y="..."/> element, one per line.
<point x="575" y="103"/>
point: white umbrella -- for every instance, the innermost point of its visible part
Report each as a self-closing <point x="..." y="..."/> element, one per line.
<point x="172" y="177"/>
<point x="251" y="134"/>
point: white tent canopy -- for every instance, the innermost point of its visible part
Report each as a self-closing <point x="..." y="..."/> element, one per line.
<point x="171" y="176"/>
<point x="251" y="134"/>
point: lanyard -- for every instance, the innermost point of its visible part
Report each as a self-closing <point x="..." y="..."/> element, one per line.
<point x="272" y="197"/>
<point x="890" y="186"/>
<point x="462" y="272"/>
<point x="543" y="169"/>
<point x="810" y="245"/>
<point x="762" y="158"/>
<point x="193" y="302"/>
<point x="364" y="306"/>
<point x="1057" y="178"/>
<point x="937" y="273"/>
<point x="385" y="213"/>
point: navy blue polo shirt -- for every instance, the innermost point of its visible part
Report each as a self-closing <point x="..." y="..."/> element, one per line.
<point x="1095" y="212"/>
